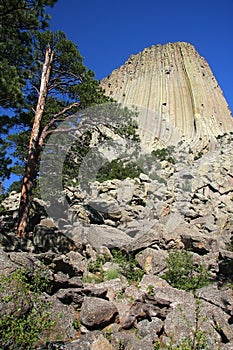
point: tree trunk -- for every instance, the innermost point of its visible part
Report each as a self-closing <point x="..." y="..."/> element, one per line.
<point x="34" y="148"/>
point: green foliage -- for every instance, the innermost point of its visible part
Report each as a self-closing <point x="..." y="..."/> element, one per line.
<point x="112" y="274"/>
<point x="25" y="315"/>
<point x="128" y="264"/>
<point x="150" y="290"/>
<point x="114" y="120"/>
<point x="108" y="334"/>
<point x="197" y="339"/>
<point x="164" y="154"/>
<point x="19" y="20"/>
<point x="182" y="273"/>
<point x="129" y="129"/>
<point x="199" y="342"/>
<point x="70" y="82"/>
<point x="2" y="208"/>
<point x="121" y="344"/>
<point x="117" y="169"/>
<point x="15" y="186"/>
<point x="76" y="324"/>
<point x="128" y="267"/>
<point x="97" y="264"/>
<point x="74" y="158"/>
<point x="5" y="160"/>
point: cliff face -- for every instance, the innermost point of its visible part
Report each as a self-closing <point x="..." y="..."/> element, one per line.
<point x="176" y="92"/>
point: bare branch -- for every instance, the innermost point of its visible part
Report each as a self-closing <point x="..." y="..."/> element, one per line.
<point x="59" y="130"/>
<point x="37" y="90"/>
<point x="63" y="73"/>
<point x="45" y="132"/>
<point x="64" y="110"/>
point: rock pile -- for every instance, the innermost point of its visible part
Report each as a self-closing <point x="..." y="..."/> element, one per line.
<point x="99" y="302"/>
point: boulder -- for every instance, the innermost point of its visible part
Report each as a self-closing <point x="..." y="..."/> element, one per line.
<point x="71" y="264"/>
<point x="63" y="317"/>
<point x="6" y="264"/>
<point x="149" y="330"/>
<point x="98" y="236"/>
<point x="101" y="343"/>
<point x="152" y="261"/>
<point x="96" y="312"/>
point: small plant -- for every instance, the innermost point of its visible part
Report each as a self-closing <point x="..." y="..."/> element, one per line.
<point x="198" y="339"/>
<point x="76" y="324"/>
<point x="121" y="345"/>
<point x="183" y="274"/>
<point x="95" y="267"/>
<point x="119" y="294"/>
<point x="157" y="345"/>
<point x="164" y="154"/>
<point x="25" y="314"/>
<point x="200" y="343"/>
<point x="108" y="334"/>
<point x="129" y="265"/>
<point x="189" y="343"/>
<point x="87" y="278"/>
<point x="111" y="274"/>
<point x="97" y="264"/>
<point x="150" y="290"/>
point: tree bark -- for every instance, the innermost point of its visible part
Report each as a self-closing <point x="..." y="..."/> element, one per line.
<point x="34" y="150"/>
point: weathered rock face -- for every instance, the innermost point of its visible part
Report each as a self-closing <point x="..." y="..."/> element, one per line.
<point x="177" y="93"/>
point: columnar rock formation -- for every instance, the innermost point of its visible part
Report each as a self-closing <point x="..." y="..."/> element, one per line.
<point x="176" y="92"/>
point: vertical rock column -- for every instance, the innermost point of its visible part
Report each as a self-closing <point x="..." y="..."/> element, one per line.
<point x="176" y="93"/>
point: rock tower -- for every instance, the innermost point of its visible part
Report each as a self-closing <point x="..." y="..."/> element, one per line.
<point x="176" y="93"/>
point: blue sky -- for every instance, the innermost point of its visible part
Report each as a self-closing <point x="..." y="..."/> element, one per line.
<point x="108" y="32"/>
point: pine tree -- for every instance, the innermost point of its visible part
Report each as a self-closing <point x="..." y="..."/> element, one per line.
<point x="63" y="87"/>
<point x="19" y="20"/>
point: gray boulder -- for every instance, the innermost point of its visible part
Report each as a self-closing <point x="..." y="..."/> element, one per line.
<point x="96" y="312"/>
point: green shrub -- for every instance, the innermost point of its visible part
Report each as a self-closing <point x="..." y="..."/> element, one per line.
<point x="112" y="274"/>
<point x="150" y="290"/>
<point x="164" y="154"/>
<point x="24" y="314"/>
<point x="129" y="266"/>
<point x="95" y="269"/>
<point x="117" y="169"/>
<point x="183" y="274"/>
<point x="97" y="264"/>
